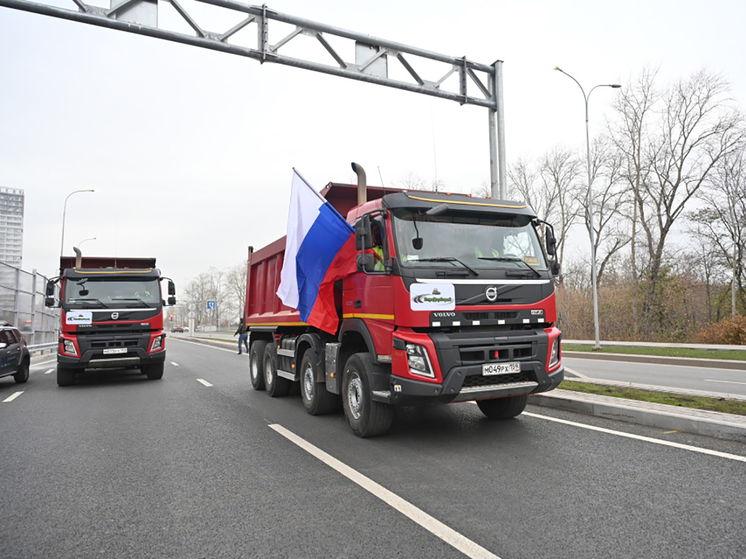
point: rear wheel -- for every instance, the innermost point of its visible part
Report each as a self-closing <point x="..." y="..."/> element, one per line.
<point x="65" y="376"/>
<point x="154" y="371"/>
<point x="22" y="375"/>
<point x="276" y="386"/>
<point x="316" y="398"/>
<point x="503" y="408"/>
<point x="365" y="417"/>
<point x="256" y="362"/>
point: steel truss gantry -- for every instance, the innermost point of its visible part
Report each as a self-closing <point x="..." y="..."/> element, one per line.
<point x="476" y="84"/>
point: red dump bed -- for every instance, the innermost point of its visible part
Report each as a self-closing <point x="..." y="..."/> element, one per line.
<point x="263" y="307"/>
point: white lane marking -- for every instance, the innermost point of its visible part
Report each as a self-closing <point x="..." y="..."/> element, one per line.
<point x="13" y="397"/>
<point x="49" y="371"/>
<point x="204" y="382"/>
<point x="640" y="437"/>
<point x="577" y="374"/>
<point x="174" y="364"/>
<point x="725" y="381"/>
<point x="434" y="526"/>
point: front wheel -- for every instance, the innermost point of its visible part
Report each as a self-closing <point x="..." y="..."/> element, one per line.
<point x="256" y="362"/>
<point x="365" y="417"/>
<point x="65" y="376"/>
<point x="22" y="375"/>
<point x="316" y="398"/>
<point x="154" y="371"/>
<point x="503" y="408"/>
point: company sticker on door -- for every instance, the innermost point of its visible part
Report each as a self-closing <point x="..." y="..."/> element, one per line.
<point x="432" y="297"/>
<point x="79" y="317"/>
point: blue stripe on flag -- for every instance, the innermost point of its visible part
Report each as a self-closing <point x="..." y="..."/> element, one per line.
<point x="317" y="251"/>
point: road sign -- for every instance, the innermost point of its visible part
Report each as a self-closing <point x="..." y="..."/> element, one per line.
<point x="211" y="306"/>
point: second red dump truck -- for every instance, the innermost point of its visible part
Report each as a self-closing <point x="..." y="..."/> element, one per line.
<point x="111" y="315"/>
<point x="459" y="305"/>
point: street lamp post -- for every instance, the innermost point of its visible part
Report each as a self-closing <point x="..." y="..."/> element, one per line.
<point x="591" y="233"/>
<point x="84" y="240"/>
<point x="64" y="211"/>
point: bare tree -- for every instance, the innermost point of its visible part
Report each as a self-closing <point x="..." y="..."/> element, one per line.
<point x="236" y="287"/>
<point x="609" y="198"/>
<point x="720" y="223"/>
<point x="630" y="134"/>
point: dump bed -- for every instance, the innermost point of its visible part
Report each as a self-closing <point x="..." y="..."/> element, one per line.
<point x="263" y="306"/>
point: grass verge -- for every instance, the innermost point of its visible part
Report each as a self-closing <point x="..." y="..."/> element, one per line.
<point x="685" y="401"/>
<point x="662" y="351"/>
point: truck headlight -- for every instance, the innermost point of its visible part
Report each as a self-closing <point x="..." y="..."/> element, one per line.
<point x="157" y="343"/>
<point x="419" y="362"/>
<point x="555" y="356"/>
<point x="69" y="347"/>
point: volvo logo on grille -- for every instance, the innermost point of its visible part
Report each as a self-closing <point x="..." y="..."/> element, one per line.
<point x="491" y="293"/>
<point x="114" y="315"/>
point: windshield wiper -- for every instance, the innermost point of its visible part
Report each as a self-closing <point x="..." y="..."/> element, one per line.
<point x="131" y="299"/>
<point x="448" y="259"/>
<point x="90" y="300"/>
<point x="512" y="259"/>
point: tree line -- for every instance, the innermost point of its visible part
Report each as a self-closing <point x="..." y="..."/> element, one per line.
<point x="669" y="210"/>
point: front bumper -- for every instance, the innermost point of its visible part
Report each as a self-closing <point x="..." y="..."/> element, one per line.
<point x="467" y="383"/>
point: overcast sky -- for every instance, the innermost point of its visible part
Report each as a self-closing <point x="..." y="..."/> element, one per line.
<point x="191" y="151"/>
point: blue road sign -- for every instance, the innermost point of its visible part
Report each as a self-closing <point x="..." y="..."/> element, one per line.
<point x="211" y="306"/>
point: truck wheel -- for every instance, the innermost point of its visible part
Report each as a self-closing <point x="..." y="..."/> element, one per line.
<point x="503" y="408"/>
<point x="65" y="376"/>
<point x="316" y="398"/>
<point x="22" y="375"/>
<point x="256" y="362"/>
<point x="276" y="386"/>
<point x="154" y="371"/>
<point x="365" y="417"/>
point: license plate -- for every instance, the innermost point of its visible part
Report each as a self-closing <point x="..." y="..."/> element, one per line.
<point x="501" y="368"/>
<point x="115" y="350"/>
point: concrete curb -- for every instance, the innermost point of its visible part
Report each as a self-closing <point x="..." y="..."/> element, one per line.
<point x="658" y="360"/>
<point x="711" y="424"/>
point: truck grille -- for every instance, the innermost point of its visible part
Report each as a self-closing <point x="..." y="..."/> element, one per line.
<point x="113" y="343"/>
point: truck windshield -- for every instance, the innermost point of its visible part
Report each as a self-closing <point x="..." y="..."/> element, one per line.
<point x="506" y="242"/>
<point x="89" y="293"/>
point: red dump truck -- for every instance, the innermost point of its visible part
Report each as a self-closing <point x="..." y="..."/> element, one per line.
<point x="461" y="307"/>
<point x="111" y="315"/>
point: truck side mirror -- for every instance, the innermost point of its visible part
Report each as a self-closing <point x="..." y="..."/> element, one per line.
<point x="50" y="288"/>
<point x="172" y="300"/>
<point x="171" y="288"/>
<point x="363" y="234"/>
<point x="551" y="243"/>
<point x="366" y="263"/>
<point x="49" y="301"/>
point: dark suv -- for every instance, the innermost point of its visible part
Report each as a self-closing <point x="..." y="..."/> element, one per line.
<point x="14" y="355"/>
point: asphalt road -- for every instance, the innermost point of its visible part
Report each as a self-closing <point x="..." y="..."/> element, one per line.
<point x="200" y="465"/>
<point x="725" y="381"/>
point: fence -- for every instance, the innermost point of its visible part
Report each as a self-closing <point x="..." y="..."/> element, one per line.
<point x="22" y="305"/>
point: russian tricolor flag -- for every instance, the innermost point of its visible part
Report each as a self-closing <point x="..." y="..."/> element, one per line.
<point x="320" y="249"/>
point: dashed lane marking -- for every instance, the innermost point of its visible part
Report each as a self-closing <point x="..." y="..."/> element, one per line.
<point x="48" y="371"/>
<point x="434" y="526"/>
<point x="725" y="381"/>
<point x="202" y="381"/>
<point x="174" y="364"/>
<point x="12" y="397"/>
